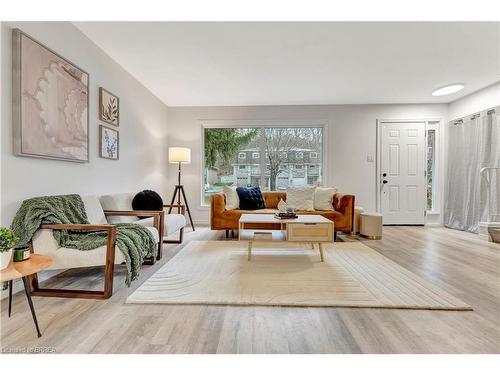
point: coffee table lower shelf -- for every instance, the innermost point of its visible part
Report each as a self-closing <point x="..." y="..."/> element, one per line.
<point x="270" y="235"/>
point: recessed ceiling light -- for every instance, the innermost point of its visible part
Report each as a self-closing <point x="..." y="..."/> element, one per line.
<point x="448" y="89"/>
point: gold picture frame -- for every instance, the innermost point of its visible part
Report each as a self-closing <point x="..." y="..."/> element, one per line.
<point x="109" y="107"/>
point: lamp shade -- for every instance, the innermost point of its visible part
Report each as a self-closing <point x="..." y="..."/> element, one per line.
<point x="179" y="155"/>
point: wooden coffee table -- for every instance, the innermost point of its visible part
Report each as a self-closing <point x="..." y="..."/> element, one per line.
<point x="21" y="270"/>
<point x="306" y="228"/>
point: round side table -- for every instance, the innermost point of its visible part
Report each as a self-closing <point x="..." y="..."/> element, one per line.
<point x="21" y="270"/>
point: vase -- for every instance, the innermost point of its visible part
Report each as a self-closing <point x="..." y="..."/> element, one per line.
<point x="282" y="206"/>
<point x="5" y="259"/>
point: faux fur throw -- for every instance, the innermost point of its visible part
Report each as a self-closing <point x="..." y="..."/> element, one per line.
<point x="133" y="240"/>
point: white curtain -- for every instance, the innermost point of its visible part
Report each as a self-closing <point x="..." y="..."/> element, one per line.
<point x="473" y="143"/>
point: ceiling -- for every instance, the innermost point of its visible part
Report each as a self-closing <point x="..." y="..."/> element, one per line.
<point x="290" y="63"/>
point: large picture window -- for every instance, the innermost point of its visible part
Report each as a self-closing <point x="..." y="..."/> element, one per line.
<point x="293" y="157"/>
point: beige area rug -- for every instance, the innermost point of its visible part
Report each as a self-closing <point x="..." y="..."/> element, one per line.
<point x="285" y="274"/>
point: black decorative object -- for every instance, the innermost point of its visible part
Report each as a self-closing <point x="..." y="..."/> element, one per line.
<point x="285" y="215"/>
<point x="147" y="200"/>
<point x="250" y="198"/>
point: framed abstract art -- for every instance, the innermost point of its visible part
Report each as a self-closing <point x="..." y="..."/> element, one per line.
<point x="50" y="99"/>
<point x="109" y="143"/>
<point x="109" y="107"/>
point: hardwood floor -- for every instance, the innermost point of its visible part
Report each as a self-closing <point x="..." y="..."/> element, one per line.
<point x="459" y="262"/>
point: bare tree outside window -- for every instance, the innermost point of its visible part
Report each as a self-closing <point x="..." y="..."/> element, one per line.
<point x="286" y="147"/>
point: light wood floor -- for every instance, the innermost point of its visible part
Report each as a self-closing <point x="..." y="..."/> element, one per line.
<point x="458" y="262"/>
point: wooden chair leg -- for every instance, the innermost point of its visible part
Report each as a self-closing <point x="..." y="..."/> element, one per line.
<point x="150" y="261"/>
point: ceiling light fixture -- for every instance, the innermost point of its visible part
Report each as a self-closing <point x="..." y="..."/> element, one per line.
<point x="448" y="89"/>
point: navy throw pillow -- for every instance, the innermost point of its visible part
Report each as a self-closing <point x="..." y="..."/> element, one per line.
<point x="250" y="198"/>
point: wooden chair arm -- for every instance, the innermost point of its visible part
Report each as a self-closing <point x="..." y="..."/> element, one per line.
<point x="89" y="227"/>
<point x="133" y="213"/>
<point x="159" y="217"/>
<point x="180" y="206"/>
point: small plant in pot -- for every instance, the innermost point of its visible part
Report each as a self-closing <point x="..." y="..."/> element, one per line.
<point x="7" y="242"/>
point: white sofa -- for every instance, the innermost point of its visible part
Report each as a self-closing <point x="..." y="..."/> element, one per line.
<point x="102" y="213"/>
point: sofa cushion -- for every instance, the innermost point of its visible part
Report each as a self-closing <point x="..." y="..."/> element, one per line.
<point x="323" y="198"/>
<point x="93" y="208"/>
<point x="232" y="199"/>
<point x="250" y="198"/>
<point x="172" y="223"/>
<point x="272" y="198"/>
<point x="63" y="258"/>
<point x="118" y="202"/>
<point x="300" y="198"/>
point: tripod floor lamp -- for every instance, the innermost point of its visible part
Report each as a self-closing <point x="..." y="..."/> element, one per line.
<point x="181" y="155"/>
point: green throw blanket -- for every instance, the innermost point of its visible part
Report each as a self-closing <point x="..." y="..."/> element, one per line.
<point x="134" y="240"/>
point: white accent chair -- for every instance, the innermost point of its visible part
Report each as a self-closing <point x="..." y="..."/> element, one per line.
<point x="43" y="242"/>
<point x="172" y="223"/>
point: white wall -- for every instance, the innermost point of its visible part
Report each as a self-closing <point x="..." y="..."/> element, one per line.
<point x="146" y="122"/>
<point x="351" y="136"/>
<point x="143" y="128"/>
<point x="478" y="101"/>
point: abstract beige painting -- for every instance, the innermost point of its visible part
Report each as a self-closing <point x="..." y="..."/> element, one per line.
<point x="50" y="103"/>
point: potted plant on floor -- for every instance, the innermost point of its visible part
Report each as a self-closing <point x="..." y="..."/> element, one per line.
<point x="7" y="243"/>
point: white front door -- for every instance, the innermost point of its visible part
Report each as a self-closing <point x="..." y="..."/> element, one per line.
<point x="402" y="172"/>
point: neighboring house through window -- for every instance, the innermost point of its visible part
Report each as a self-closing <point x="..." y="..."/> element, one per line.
<point x="227" y="151"/>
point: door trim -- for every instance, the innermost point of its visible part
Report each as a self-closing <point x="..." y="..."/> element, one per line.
<point x="378" y="148"/>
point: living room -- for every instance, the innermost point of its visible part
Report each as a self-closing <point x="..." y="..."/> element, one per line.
<point x="235" y="187"/>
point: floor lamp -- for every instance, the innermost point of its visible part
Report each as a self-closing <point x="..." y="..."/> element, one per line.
<point x="181" y="155"/>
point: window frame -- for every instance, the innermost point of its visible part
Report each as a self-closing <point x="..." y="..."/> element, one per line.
<point x="436" y="181"/>
<point x="260" y="124"/>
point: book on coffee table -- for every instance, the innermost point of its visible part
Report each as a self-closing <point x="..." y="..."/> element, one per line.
<point x="285" y="215"/>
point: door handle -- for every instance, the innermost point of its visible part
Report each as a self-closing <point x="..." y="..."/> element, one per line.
<point x="384" y="181"/>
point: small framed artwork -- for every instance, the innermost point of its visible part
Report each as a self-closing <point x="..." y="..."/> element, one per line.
<point x="109" y="107"/>
<point x="109" y="143"/>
